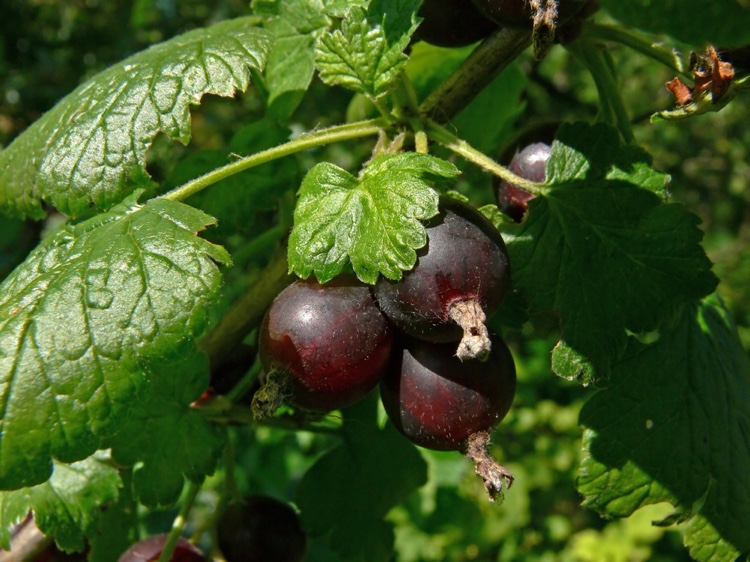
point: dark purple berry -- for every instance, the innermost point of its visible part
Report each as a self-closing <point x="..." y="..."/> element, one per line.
<point x="530" y="163"/>
<point x="461" y="276"/>
<point x="452" y="23"/>
<point x="330" y="342"/>
<point x="261" y="529"/>
<point x="519" y="13"/>
<point x="438" y="401"/>
<point x="149" y="550"/>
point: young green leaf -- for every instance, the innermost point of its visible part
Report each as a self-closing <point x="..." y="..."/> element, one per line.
<point x="291" y="63"/>
<point x="372" y="221"/>
<point x="673" y="427"/>
<point x="165" y="436"/>
<point x="366" y="53"/>
<point x="603" y="252"/>
<point x="90" y="149"/>
<point x="80" y="319"/>
<point x="364" y="478"/>
<point x="67" y="505"/>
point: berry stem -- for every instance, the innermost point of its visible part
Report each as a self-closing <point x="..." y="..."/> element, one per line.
<point x="495" y="475"/>
<point x="475" y="343"/>
<point x="594" y="58"/>
<point x="636" y="41"/>
<point x="178" y="525"/>
<point x="313" y="139"/>
<point x="471" y="154"/>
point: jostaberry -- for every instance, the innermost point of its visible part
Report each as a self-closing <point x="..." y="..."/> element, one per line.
<point x="326" y="344"/>
<point x="530" y="163"/>
<point x="438" y="401"/>
<point x="261" y="528"/>
<point x="460" y="278"/>
<point x="519" y="13"/>
<point x="149" y="550"/>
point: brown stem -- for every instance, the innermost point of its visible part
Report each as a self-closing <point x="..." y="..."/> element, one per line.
<point x="474" y="73"/>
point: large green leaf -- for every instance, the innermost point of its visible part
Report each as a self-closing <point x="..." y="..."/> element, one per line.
<point x="90" y="149"/>
<point x="81" y="318"/>
<point x="603" y="252"/>
<point x="165" y="438"/>
<point x="372" y="221"/>
<point x="369" y="473"/>
<point x="673" y="427"/>
<point x="695" y="22"/>
<point x="67" y="506"/>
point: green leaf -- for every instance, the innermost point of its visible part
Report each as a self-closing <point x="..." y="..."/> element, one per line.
<point x="90" y="149"/>
<point x="67" y="506"/>
<point x="372" y="471"/>
<point x="673" y="427"/>
<point x="166" y="437"/>
<point x="696" y="22"/>
<point x="366" y="53"/>
<point x="603" y="252"/>
<point x="291" y="64"/>
<point x="372" y="220"/>
<point x="81" y="318"/>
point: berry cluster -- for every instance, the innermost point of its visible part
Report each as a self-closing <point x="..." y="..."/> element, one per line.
<point x="445" y="380"/>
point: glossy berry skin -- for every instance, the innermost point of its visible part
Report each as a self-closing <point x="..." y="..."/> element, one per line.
<point x="438" y="401"/>
<point x="465" y="258"/>
<point x="260" y="529"/>
<point x="331" y="340"/>
<point x="148" y="550"/>
<point x="529" y="164"/>
<point x="518" y="13"/>
<point x="452" y="23"/>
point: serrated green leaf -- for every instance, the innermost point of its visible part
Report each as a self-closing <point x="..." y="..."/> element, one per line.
<point x="291" y="63"/>
<point x="372" y="221"/>
<point x="352" y="479"/>
<point x="90" y="149"/>
<point x="673" y="427"/>
<point x="695" y="22"/>
<point x="67" y="506"/>
<point x="81" y="318"/>
<point x="168" y="439"/>
<point x="366" y="53"/>
<point x="603" y="254"/>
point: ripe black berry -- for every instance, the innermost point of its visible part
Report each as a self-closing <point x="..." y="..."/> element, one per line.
<point x="149" y="550"/>
<point x="452" y="23"/>
<point x="330" y="343"/>
<point x="461" y="276"/>
<point x="438" y="401"/>
<point x="529" y="164"/>
<point x="261" y="528"/>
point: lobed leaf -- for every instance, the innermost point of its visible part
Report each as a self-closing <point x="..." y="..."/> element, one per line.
<point x="673" y="427"/>
<point x="67" y="506"/>
<point x="350" y="479"/>
<point x="372" y="221"/>
<point x="165" y="438"/>
<point x="603" y="252"/>
<point x="80" y="321"/>
<point x="366" y="53"/>
<point x="90" y="149"/>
